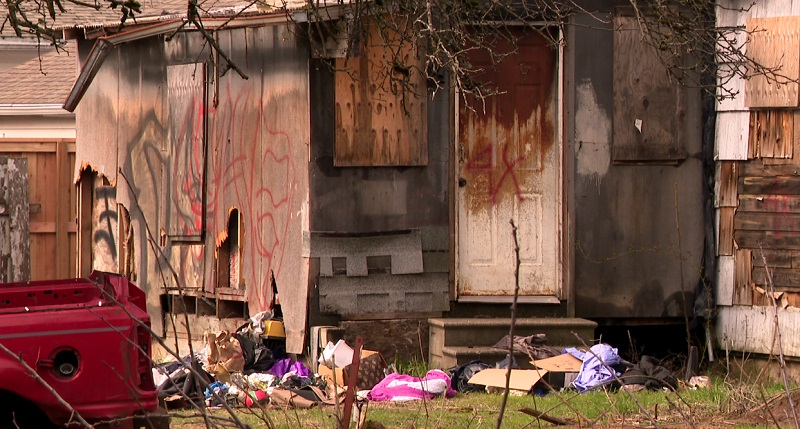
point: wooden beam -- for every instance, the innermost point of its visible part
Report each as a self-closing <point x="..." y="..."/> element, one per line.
<point x="62" y="209"/>
<point x="34" y="145"/>
<point x="768" y="239"/>
<point x="777" y="204"/>
<point x="85" y="204"/>
<point x="766" y="221"/>
<point x="781" y="185"/>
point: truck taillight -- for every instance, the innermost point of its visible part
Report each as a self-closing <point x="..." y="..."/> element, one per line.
<point x="143" y="361"/>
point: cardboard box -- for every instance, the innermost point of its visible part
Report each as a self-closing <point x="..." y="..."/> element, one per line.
<point x="370" y="371"/>
<point x="553" y="370"/>
<point x="521" y="379"/>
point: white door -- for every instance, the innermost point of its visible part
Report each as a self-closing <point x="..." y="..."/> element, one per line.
<point x="509" y="167"/>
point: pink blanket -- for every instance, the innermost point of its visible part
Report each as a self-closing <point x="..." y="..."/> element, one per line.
<point x="399" y="387"/>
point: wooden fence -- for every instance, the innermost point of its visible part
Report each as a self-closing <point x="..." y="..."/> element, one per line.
<point x="53" y="204"/>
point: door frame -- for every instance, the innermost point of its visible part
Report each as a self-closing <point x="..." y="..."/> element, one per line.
<point x="563" y="277"/>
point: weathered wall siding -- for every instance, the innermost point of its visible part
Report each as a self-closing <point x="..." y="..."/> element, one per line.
<point x="375" y="200"/>
<point x="357" y="199"/>
<point x="649" y="109"/>
<point x="750" y="329"/>
<point x="772" y="134"/>
<point x="260" y="135"/>
<point x="15" y="263"/>
<point x="726" y="273"/>
<point x="733" y="134"/>
<point x="626" y="246"/>
<point x="732" y="13"/>
<point x="96" y="121"/>
<point x="106" y="232"/>
<point x="768" y="219"/>
<point x="257" y="162"/>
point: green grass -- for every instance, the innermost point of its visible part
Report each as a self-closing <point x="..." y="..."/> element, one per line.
<point x="721" y="403"/>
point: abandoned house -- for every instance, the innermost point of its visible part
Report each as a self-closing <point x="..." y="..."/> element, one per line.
<point x="309" y="186"/>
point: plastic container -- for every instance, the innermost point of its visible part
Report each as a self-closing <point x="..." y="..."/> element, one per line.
<point x="337" y="355"/>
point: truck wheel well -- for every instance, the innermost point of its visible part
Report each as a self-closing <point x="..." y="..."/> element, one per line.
<point x="18" y="412"/>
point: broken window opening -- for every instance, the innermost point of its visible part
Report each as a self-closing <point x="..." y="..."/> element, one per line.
<point x="127" y="258"/>
<point x="85" y="205"/>
<point x="229" y="259"/>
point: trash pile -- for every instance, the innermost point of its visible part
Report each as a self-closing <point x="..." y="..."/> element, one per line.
<point x="598" y="367"/>
<point x="250" y="367"/>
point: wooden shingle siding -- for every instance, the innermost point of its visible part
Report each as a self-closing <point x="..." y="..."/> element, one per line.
<point x="742" y="288"/>
<point x="771" y="134"/>
<point x="767" y="220"/>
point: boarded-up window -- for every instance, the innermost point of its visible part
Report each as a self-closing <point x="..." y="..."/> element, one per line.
<point x="649" y="108"/>
<point x="185" y="175"/>
<point x="774" y="43"/>
<point x="381" y="106"/>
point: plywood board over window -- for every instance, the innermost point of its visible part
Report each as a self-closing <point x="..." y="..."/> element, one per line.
<point x="774" y="43"/>
<point x="649" y="108"/>
<point x="381" y="106"/>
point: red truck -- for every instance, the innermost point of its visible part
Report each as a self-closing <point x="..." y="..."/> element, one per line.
<point x="82" y="342"/>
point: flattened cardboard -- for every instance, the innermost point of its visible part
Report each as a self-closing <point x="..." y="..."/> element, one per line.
<point x="521" y="379"/>
<point x="561" y="363"/>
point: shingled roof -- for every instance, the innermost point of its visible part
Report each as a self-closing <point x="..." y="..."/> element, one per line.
<point x="40" y="82"/>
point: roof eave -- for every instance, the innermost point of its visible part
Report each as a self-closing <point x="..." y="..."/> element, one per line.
<point x="41" y="109"/>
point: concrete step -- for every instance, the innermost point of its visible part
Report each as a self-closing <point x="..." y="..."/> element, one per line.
<point x="454" y="355"/>
<point x="457" y="341"/>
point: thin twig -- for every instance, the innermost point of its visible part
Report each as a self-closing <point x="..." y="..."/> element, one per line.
<point x="545" y="417"/>
<point x="680" y="266"/>
<point x="511" y="328"/>
<point x="684" y="416"/>
<point x="778" y="335"/>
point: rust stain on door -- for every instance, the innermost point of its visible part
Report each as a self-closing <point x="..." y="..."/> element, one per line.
<point x="504" y="138"/>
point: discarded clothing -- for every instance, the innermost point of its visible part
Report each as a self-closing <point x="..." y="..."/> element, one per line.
<point x="534" y="346"/>
<point x="221" y="390"/>
<point x="400" y="387"/>
<point x="597" y="367"/>
<point x="460" y="375"/>
<point x="650" y="373"/>
<point x="285" y="366"/>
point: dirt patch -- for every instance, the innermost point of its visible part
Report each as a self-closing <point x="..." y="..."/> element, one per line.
<point x="776" y="409"/>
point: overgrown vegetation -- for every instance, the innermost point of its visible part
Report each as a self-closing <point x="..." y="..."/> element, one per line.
<point x="726" y="403"/>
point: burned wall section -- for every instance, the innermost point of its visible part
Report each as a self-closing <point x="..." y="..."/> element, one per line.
<point x="629" y="260"/>
<point x="233" y="143"/>
<point x="380" y="234"/>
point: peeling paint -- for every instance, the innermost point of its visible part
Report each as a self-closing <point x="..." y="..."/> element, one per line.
<point x="592" y="133"/>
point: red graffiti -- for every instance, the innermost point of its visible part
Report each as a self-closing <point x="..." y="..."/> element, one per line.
<point x="483" y="163"/>
<point x="251" y="168"/>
